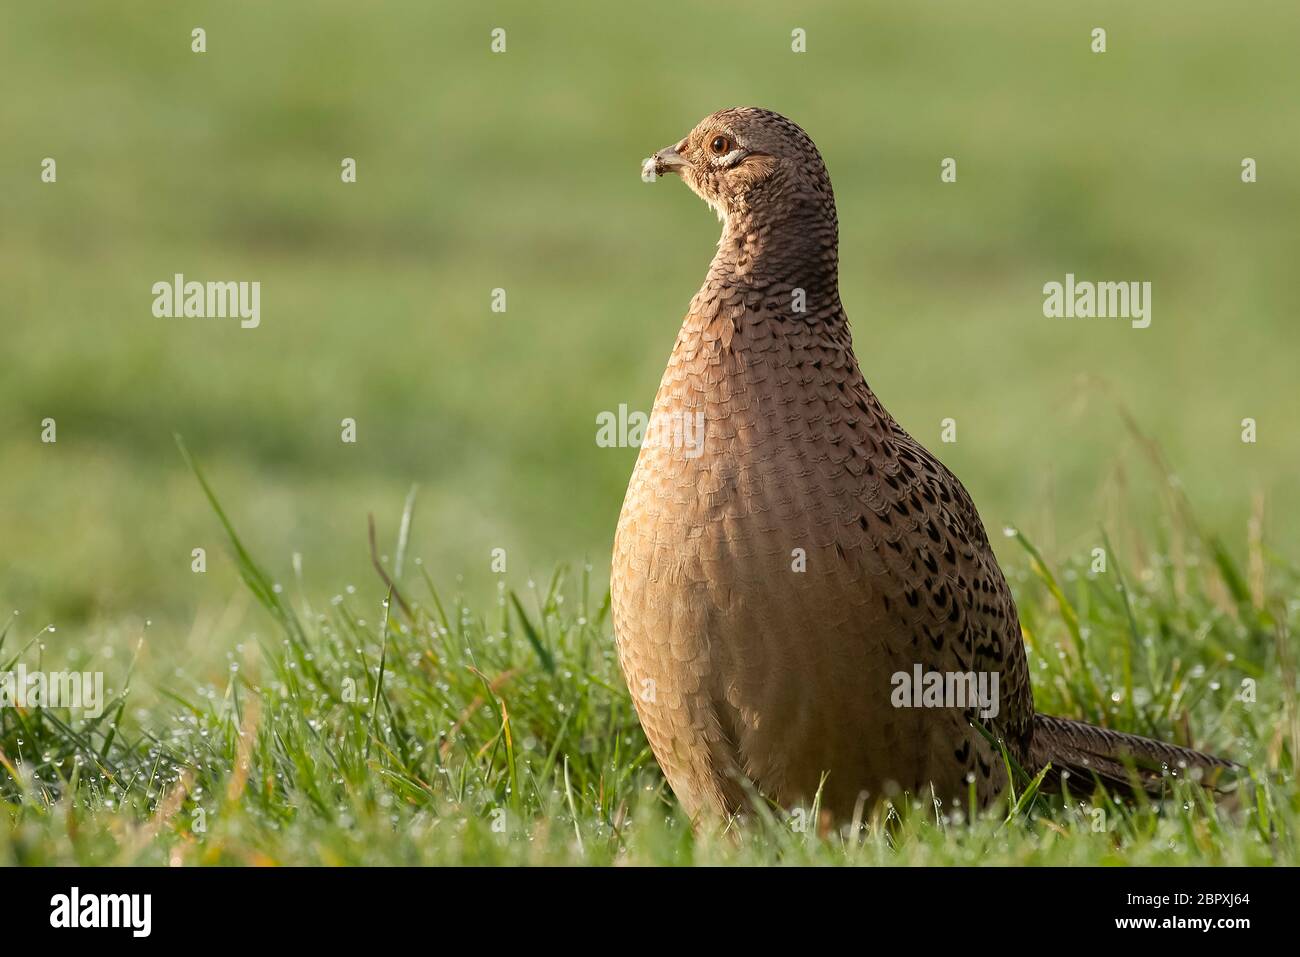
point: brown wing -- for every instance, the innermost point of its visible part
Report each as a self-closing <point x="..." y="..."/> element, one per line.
<point x="923" y="526"/>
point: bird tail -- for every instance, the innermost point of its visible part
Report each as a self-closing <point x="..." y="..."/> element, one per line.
<point x="1123" y="762"/>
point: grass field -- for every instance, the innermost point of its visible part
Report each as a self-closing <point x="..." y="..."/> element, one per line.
<point x="416" y="730"/>
<point x="519" y="171"/>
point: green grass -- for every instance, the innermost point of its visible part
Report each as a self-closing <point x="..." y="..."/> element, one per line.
<point x="417" y="730"/>
<point x="521" y="171"/>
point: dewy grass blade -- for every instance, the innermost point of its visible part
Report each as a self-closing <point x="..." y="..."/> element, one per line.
<point x="548" y="662"/>
<point x="379" y="680"/>
<point x="257" y="580"/>
<point x="404" y="533"/>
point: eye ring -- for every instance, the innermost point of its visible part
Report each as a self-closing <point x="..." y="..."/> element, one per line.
<point x="721" y="145"/>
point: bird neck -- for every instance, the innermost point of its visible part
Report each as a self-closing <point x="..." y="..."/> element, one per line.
<point x="781" y="246"/>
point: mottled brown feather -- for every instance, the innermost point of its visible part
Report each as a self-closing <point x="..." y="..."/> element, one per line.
<point x="750" y="676"/>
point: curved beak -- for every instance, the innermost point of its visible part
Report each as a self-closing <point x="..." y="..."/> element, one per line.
<point x="667" y="160"/>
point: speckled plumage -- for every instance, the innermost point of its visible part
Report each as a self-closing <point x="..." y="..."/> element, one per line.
<point x="752" y="675"/>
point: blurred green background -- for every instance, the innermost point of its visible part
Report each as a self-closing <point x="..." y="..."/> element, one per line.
<point x="520" y="171"/>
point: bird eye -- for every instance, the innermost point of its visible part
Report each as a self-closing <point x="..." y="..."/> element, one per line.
<point x="721" y="145"/>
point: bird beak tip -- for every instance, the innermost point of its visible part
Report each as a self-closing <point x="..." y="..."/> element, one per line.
<point x="667" y="160"/>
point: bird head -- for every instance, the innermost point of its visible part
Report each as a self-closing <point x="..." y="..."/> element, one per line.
<point x="749" y="162"/>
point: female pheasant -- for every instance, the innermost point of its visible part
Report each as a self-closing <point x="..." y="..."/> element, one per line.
<point x="774" y="576"/>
